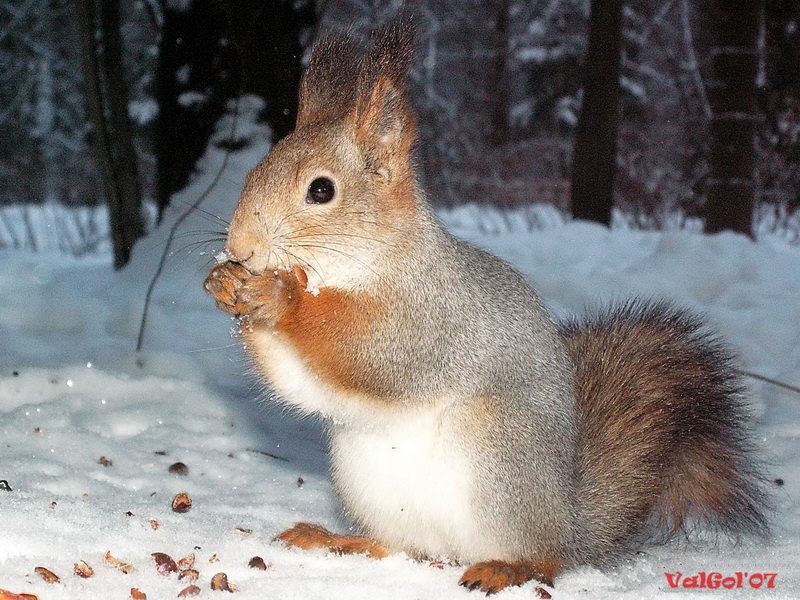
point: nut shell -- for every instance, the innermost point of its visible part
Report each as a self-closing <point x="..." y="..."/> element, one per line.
<point x="181" y="503"/>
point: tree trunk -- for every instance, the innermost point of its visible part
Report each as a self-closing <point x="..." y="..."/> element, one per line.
<point x="271" y="70"/>
<point x="500" y="131"/>
<point x="124" y="206"/>
<point x="128" y="212"/>
<point x="194" y="78"/>
<point x="94" y="95"/>
<point x="45" y="121"/>
<point x="732" y="95"/>
<point x="595" y="151"/>
<point x="216" y="50"/>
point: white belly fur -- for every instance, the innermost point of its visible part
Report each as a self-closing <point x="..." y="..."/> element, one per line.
<point x="289" y="376"/>
<point x="402" y="473"/>
<point x="408" y="483"/>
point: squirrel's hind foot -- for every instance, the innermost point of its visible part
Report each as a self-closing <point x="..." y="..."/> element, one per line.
<point x="309" y="537"/>
<point x="491" y="576"/>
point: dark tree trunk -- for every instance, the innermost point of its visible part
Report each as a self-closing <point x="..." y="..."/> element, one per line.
<point x="194" y="77"/>
<point x="215" y="50"/>
<point x="127" y="214"/>
<point x="779" y="97"/>
<point x="732" y="94"/>
<point x="500" y="132"/>
<point x="112" y="137"/>
<point x="267" y="36"/>
<point x="94" y="96"/>
<point x="595" y="151"/>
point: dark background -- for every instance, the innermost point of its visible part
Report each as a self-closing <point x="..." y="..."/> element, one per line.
<point x="498" y="84"/>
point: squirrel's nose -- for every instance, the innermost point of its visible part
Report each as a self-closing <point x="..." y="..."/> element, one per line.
<point x="237" y="248"/>
<point x="255" y="262"/>
<point x="246" y="250"/>
<point x="249" y="242"/>
<point x="237" y="258"/>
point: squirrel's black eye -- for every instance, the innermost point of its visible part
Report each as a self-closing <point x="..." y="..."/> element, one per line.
<point x="320" y="191"/>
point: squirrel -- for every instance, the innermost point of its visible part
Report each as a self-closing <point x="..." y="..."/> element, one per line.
<point x="465" y="424"/>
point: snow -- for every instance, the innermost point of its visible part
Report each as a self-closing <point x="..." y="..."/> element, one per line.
<point x="190" y="99"/>
<point x="143" y="111"/>
<point x="73" y="390"/>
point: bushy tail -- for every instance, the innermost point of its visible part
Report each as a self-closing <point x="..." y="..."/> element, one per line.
<point x="664" y="436"/>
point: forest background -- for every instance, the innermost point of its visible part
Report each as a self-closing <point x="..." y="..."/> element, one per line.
<point x="691" y="108"/>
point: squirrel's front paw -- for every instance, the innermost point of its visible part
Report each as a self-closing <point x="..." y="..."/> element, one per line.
<point x="223" y="284"/>
<point x="264" y="298"/>
<point x="255" y="298"/>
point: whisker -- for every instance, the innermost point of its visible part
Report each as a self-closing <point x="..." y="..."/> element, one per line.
<point x="342" y="253"/>
<point x="202" y="232"/>
<point x="209" y="215"/>
<point x="339" y="245"/>
<point x="183" y="259"/>
<point x="300" y="233"/>
<point x="289" y="215"/>
<point x="306" y="264"/>
<point x="225" y="347"/>
<point x="188" y="248"/>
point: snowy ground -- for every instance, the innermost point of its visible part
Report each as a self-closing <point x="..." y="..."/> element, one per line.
<point x="73" y="390"/>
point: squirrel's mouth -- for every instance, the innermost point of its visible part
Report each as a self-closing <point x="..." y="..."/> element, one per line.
<point x="261" y="256"/>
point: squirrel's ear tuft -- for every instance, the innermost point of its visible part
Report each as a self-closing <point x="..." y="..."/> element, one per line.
<point x="383" y="119"/>
<point x="328" y="87"/>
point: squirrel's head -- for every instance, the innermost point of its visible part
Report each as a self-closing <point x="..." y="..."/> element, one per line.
<point x="333" y="195"/>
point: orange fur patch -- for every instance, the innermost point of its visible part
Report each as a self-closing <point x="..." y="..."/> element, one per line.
<point x="491" y="576"/>
<point x="309" y="537"/>
<point x="327" y="329"/>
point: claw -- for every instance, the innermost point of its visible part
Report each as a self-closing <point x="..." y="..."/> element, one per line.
<point x="494" y="576"/>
